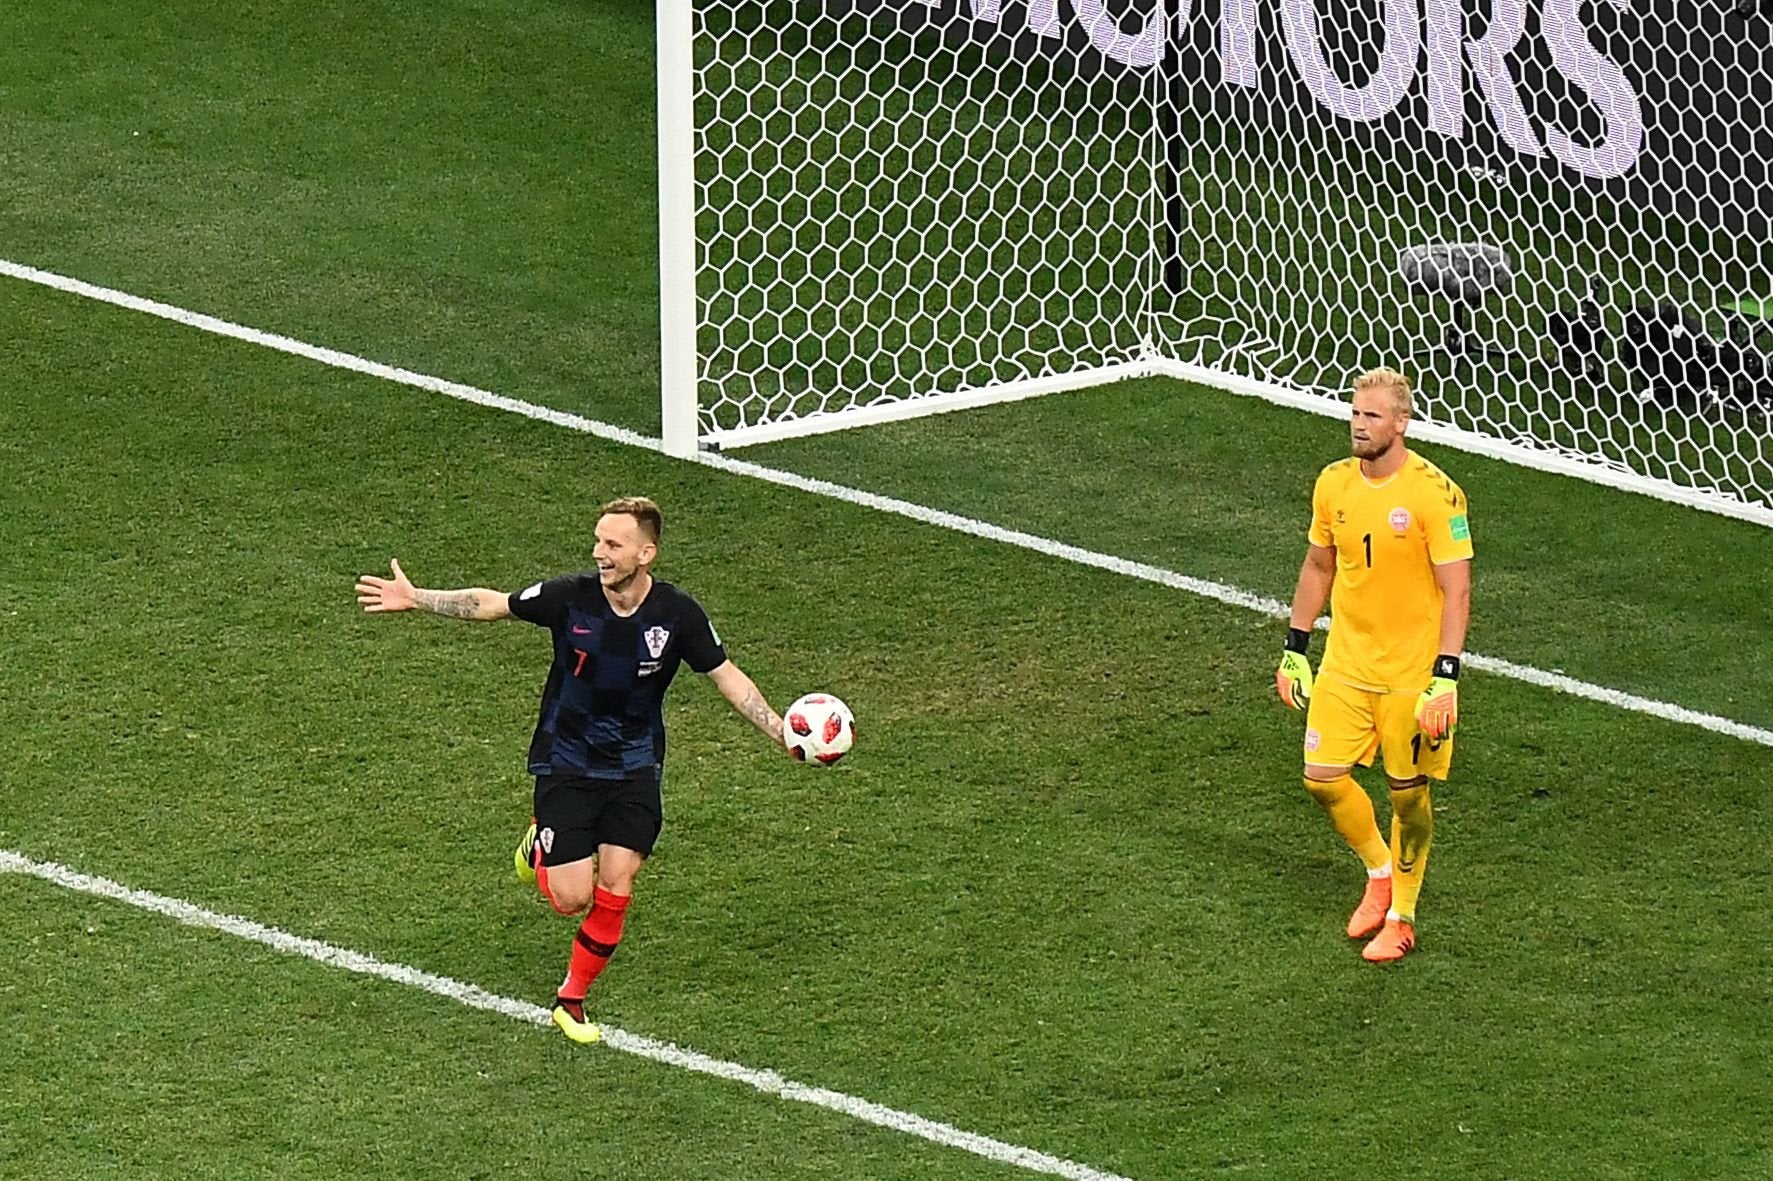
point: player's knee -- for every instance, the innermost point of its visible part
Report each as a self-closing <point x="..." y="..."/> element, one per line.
<point x="616" y="883"/>
<point x="1410" y="803"/>
<point x="568" y="888"/>
<point x="617" y="869"/>
<point x="1327" y="791"/>
<point x="568" y="900"/>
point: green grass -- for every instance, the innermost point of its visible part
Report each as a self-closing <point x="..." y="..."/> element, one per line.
<point x="1026" y="904"/>
<point x="204" y="1057"/>
<point x="1067" y="891"/>
<point x="423" y="166"/>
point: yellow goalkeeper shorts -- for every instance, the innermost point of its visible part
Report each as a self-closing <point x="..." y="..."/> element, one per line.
<point x="1346" y="726"/>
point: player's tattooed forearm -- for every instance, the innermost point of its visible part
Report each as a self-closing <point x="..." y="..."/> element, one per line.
<point x="758" y="712"/>
<point x="464" y="604"/>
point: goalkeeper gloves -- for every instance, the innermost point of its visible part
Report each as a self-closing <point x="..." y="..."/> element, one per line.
<point x="1292" y="680"/>
<point x="1437" y="710"/>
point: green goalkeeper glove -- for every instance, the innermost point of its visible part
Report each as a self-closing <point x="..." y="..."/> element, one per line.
<point x="1292" y="680"/>
<point x="1437" y="710"/>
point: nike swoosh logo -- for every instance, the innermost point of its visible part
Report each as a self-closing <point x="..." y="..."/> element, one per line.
<point x="581" y="631"/>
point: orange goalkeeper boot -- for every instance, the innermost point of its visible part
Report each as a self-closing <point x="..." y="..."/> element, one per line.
<point x="1394" y="941"/>
<point x="1369" y="916"/>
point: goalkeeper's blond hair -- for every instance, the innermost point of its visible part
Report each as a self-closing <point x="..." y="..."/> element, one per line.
<point x="1392" y="380"/>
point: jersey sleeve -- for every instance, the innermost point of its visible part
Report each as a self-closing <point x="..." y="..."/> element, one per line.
<point x="543" y="603"/>
<point x="1449" y="529"/>
<point x="1321" y="511"/>
<point x="702" y="649"/>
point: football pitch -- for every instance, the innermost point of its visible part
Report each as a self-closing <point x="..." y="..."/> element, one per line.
<point x="1066" y="907"/>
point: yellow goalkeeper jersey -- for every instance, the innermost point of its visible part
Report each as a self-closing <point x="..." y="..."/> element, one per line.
<point x="1389" y="535"/>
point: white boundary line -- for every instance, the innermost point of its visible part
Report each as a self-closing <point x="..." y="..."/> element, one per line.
<point x="1197" y="586"/>
<point x="333" y="357"/>
<point x="767" y="1081"/>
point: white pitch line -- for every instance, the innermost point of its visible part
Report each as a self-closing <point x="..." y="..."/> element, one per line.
<point x="1205" y="588"/>
<point x="767" y="1081"/>
<point x="325" y="356"/>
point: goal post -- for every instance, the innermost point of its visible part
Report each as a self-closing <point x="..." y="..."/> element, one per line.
<point x="1556" y="214"/>
<point x="680" y="426"/>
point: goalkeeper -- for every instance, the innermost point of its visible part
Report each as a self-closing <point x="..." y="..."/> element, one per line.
<point x="1391" y="550"/>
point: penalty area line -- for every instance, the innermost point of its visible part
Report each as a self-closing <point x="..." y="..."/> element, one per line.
<point x="766" y="1081"/>
<point x="1219" y="592"/>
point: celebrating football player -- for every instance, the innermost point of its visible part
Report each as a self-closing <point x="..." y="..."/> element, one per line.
<point x="599" y="747"/>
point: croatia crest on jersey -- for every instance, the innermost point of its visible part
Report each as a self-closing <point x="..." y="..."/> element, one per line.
<point x="656" y="639"/>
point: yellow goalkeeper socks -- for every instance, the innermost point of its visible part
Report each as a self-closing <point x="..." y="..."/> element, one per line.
<point x="1412" y="832"/>
<point x="1351" y="813"/>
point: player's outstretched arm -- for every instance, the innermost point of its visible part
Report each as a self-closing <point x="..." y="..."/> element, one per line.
<point x="399" y="594"/>
<point x="1293" y="679"/>
<point x="742" y="693"/>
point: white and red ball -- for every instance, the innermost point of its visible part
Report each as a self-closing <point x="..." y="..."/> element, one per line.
<point x="818" y="729"/>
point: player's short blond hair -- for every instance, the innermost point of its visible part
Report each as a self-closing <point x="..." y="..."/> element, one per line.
<point x="644" y="511"/>
<point x="1388" y="379"/>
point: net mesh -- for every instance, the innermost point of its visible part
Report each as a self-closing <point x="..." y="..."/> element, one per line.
<point x="889" y="212"/>
<point x="1556" y="214"/>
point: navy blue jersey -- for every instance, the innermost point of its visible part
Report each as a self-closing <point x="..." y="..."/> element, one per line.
<point x="602" y="713"/>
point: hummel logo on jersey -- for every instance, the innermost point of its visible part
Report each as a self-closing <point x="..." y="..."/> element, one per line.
<point x="656" y="639"/>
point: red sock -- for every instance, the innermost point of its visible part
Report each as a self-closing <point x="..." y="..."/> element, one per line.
<point x="595" y="942"/>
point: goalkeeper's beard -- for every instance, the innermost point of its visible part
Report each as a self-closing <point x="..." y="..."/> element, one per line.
<point x="1369" y="450"/>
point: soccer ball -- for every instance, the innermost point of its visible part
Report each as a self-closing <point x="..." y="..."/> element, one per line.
<point x="818" y="728"/>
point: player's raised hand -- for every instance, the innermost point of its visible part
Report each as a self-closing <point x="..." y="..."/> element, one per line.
<point x="1437" y="710"/>
<point x="1292" y="680"/>
<point x="386" y="594"/>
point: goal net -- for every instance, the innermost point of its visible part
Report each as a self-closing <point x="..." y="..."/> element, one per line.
<point x="1556" y="214"/>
